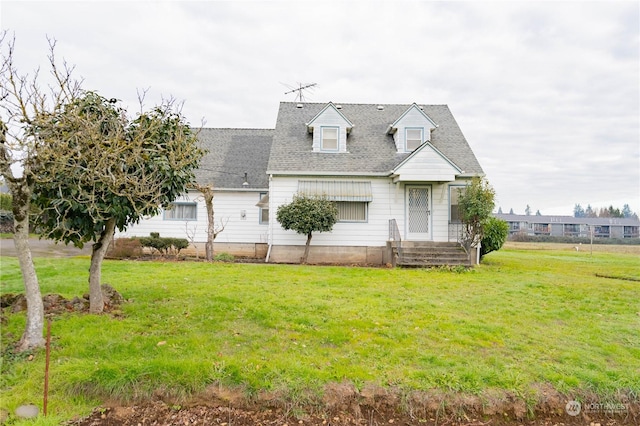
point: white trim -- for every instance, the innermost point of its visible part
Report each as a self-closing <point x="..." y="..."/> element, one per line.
<point x="337" y="139"/>
<point x="406" y="138"/>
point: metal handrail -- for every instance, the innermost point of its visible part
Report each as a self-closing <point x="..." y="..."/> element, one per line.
<point x="394" y="232"/>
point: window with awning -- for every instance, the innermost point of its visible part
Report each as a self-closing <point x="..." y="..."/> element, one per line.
<point x="351" y="197"/>
<point x="337" y="190"/>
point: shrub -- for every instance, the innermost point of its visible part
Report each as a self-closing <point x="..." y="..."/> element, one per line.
<point x="178" y="244"/>
<point x="224" y="257"/>
<point x="163" y="245"/>
<point x="495" y="232"/>
<point x="125" y="248"/>
<point x="6" y="202"/>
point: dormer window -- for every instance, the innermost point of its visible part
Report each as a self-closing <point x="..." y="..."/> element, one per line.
<point x="411" y="129"/>
<point x="330" y="129"/>
<point x="329" y="139"/>
<point x="414" y="138"/>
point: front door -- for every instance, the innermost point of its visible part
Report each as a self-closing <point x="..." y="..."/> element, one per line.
<point x="417" y="210"/>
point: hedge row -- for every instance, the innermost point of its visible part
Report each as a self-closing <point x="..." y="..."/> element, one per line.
<point x="572" y="240"/>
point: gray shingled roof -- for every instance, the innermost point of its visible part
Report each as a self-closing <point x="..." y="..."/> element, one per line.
<point x="370" y="149"/>
<point x="231" y="153"/>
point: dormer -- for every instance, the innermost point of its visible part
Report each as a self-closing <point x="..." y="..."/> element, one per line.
<point x="412" y="129"/>
<point x="330" y="129"/>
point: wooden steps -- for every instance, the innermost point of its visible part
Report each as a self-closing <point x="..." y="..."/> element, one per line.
<point x="419" y="254"/>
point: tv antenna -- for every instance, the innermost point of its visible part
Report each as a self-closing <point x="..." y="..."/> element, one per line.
<point x="299" y="89"/>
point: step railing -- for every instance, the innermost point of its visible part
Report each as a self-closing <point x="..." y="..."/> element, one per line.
<point x="394" y="235"/>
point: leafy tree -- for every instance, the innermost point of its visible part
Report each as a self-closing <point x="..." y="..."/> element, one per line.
<point x="306" y="215"/>
<point x="578" y="211"/>
<point x="527" y="210"/>
<point x="538" y="213"/>
<point x="475" y="204"/>
<point x="22" y="101"/>
<point x="102" y="171"/>
<point x="626" y="211"/>
<point x="589" y="212"/>
<point x="499" y="210"/>
<point x="511" y="211"/>
<point x="496" y="232"/>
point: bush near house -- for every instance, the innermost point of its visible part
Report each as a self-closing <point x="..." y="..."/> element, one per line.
<point x="224" y="257"/>
<point x="495" y="232"/>
<point x="131" y="248"/>
<point x="125" y="248"/>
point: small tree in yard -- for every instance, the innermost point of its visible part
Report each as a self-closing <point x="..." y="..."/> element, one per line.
<point x="475" y="205"/>
<point x="103" y="171"/>
<point x="307" y="215"/>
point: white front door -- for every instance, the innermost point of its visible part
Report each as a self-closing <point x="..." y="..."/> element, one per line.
<point x="418" y="212"/>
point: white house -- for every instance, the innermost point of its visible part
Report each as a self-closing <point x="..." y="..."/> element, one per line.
<point x="393" y="170"/>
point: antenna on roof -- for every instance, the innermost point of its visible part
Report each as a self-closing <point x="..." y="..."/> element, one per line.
<point x="299" y="89"/>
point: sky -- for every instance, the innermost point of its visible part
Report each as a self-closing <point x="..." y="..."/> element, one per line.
<point x="547" y="93"/>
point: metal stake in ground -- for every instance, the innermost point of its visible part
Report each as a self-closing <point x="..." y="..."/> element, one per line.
<point x="46" y="368"/>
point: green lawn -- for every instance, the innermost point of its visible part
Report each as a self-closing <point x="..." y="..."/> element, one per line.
<point x="524" y="318"/>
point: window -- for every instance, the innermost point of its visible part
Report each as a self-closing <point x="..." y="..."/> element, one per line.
<point x="414" y="139"/>
<point x="181" y="211"/>
<point x="571" y="229"/>
<point x="329" y="139"/>
<point x="351" y="211"/>
<point x="264" y="209"/>
<point x="454" y="210"/>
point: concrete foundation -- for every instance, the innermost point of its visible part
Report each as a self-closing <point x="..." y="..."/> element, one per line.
<point x="344" y="255"/>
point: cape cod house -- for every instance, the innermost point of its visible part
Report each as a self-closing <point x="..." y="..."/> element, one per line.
<point x="394" y="172"/>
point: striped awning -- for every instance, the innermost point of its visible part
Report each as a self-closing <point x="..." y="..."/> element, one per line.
<point x="336" y="190"/>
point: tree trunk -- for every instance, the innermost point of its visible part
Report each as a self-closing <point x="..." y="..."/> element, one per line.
<point x="100" y="247"/>
<point x="32" y="337"/>
<point x="208" y="200"/>
<point x="306" y="249"/>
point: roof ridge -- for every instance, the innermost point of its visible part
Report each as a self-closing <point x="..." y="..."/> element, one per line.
<point x="362" y="104"/>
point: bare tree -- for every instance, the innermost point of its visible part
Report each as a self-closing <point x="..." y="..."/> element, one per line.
<point x="22" y="101"/>
<point x="191" y="234"/>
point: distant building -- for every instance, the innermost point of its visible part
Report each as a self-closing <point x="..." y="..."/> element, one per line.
<point x="569" y="226"/>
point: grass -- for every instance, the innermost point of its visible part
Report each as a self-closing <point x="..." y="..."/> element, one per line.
<point x="523" y="318"/>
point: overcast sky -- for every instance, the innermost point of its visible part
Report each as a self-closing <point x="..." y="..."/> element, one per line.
<point x="546" y="93"/>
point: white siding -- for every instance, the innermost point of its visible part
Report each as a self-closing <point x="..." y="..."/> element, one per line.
<point x="427" y="165"/>
<point x="228" y="207"/>
<point x="385" y="205"/>
<point x="388" y="203"/>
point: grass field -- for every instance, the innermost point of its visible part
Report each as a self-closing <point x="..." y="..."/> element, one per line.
<point x="527" y="316"/>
